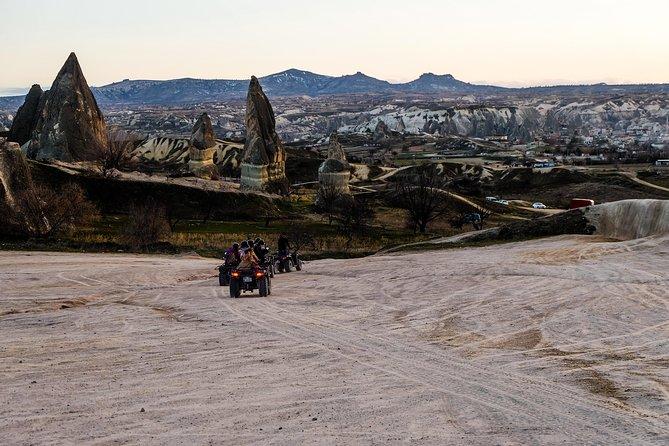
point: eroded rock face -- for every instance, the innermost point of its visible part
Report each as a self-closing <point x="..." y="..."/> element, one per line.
<point x="336" y="150"/>
<point x="335" y="172"/>
<point x="263" y="145"/>
<point x="26" y="117"/>
<point x="264" y="161"/>
<point x="202" y="148"/>
<point x="70" y="125"/>
<point x="381" y="132"/>
<point x="203" y="136"/>
<point x="20" y="211"/>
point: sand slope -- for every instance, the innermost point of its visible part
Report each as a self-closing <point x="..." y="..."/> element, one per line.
<point x="554" y="341"/>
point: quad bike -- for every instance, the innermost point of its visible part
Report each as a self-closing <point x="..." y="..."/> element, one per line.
<point x="269" y="264"/>
<point x="296" y="261"/>
<point x="286" y="261"/>
<point x="248" y="280"/>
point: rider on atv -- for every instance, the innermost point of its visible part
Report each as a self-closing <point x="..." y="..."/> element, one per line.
<point x="283" y="245"/>
<point x="233" y="255"/>
<point x="261" y="250"/>
<point x="249" y="259"/>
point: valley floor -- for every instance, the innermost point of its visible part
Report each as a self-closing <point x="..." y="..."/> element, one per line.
<point x="553" y="341"/>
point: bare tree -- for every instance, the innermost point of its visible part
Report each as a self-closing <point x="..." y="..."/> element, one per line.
<point x="328" y="199"/>
<point x="465" y="213"/>
<point x="424" y="197"/>
<point x="66" y="209"/>
<point x="147" y="224"/>
<point x="43" y="211"/>
<point x="118" y="154"/>
<point x="354" y="215"/>
<point x="300" y="236"/>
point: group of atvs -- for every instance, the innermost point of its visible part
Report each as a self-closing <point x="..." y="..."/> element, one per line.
<point x="258" y="277"/>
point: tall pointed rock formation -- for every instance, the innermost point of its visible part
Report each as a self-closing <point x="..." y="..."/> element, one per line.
<point x="264" y="160"/>
<point x="26" y="117"/>
<point x="335" y="172"/>
<point x="70" y="126"/>
<point x="335" y="149"/>
<point x="202" y="147"/>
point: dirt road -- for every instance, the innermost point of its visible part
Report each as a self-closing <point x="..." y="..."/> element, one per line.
<point x="556" y="341"/>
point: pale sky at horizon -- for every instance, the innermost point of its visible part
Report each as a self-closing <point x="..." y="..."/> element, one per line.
<point x="512" y="42"/>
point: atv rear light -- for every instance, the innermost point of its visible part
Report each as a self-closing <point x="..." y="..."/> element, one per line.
<point x="235" y="274"/>
<point x="259" y="274"/>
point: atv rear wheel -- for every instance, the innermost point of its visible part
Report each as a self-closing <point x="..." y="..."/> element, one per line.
<point x="263" y="287"/>
<point x="298" y="265"/>
<point x="235" y="290"/>
<point x="223" y="279"/>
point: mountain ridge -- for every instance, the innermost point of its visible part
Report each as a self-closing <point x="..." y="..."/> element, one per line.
<point x="298" y="82"/>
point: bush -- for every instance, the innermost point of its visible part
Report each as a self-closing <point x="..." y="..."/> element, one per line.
<point x="147" y="224"/>
<point x="40" y="211"/>
<point x="118" y="154"/>
<point x="354" y="215"/>
<point x="424" y="197"/>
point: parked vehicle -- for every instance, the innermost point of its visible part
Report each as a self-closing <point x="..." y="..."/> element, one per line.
<point x="577" y="203"/>
<point x="538" y="205"/>
<point x="247" y="280"/>
<point x="491" y="198"/>
<point x="502" y="202"/>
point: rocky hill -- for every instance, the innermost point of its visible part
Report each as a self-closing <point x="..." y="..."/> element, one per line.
<point x="296" y="82"/>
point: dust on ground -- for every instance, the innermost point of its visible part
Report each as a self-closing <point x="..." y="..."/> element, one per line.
<point x="553" y="341"/>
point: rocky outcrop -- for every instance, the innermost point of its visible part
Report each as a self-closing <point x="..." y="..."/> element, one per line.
<point x="202" y="148"/>
<point x="381" y="132"/>
<point x="26" y="117"/>
<point x="70" y="125"/>
<point x="203" y="136"/>
<point x="335" y="172"/>
<point x="20" y="209"/>
<point x="335" y="149"/>
<point x="264" y="161"/>
<point x="630" y="219"/>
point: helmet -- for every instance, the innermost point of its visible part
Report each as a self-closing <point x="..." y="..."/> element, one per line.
<point x="258" y="241"/>
<point x="244" y="245"/>
<point x="235" y="246"/>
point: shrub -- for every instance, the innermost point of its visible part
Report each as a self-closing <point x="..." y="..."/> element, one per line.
<point x="41" y="211"/>
<point x="147" y="224"/>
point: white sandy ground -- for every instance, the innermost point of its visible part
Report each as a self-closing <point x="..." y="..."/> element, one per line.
<point x="555" y="341"/>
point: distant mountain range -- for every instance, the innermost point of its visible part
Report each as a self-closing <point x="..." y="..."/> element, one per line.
<point x="287" y="83"/>
<point x="295" y="82"/>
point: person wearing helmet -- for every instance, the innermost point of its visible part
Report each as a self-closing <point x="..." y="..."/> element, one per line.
<point x="249" y="259"/>
<point x="283" y="245"/>
<point x="233" y="255"/>
<point x="260" y="250"/>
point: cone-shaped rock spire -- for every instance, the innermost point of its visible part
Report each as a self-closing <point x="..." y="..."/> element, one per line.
<point x="202" y="148"/>
<point x="263" y="145"/>
<point x="26" y="117"/>
<point x="335" y="149"/>
<point x="264" y="161"/>
<point x="203" y="136"/>
<point x="70" y="126"/>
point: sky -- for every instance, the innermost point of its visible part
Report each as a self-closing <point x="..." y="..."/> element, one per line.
<point x="502" y="42"/>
